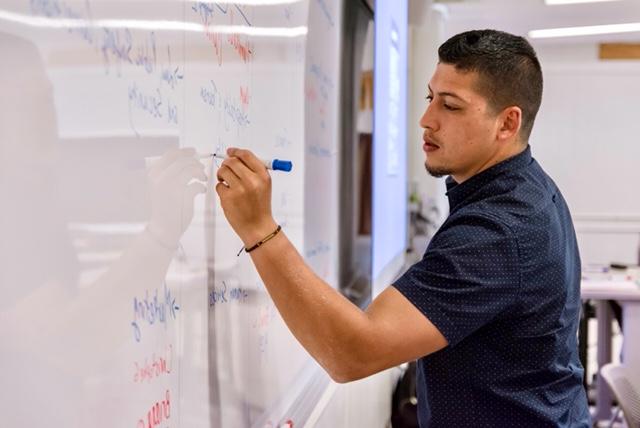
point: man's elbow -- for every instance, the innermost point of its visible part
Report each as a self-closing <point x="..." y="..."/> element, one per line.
<point x="355" y="356"/>
<point x="348" y="372"/>
<point x="341" y="376"/>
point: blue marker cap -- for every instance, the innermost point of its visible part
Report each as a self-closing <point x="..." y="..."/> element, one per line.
<point x="281" y="165"/>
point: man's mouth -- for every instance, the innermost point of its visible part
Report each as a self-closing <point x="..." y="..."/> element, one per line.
<point x="429" y="146"/>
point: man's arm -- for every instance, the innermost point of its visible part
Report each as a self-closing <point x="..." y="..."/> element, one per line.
<point x="348" y="342"/>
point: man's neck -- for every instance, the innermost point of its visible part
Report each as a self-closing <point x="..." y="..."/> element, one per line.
<point x="508" y="151"/>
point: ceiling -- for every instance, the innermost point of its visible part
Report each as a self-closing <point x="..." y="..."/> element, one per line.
<point x="522" y="16"/>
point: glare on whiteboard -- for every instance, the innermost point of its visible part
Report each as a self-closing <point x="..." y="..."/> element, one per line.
<point x="157" y="25"/>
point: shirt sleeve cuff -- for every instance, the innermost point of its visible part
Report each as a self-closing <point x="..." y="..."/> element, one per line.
<point x="412" y="292"/>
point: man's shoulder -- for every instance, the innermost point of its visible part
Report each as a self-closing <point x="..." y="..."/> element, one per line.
<point x="474" y="227"/>
<point x="518" y="197"/>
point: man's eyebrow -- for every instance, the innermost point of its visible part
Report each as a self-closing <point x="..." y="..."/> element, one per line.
<point x="448" y="94"/>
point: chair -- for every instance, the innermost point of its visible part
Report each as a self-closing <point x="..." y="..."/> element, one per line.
<point x="618" y="378"/>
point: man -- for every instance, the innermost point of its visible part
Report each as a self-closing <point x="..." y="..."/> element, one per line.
<point x="491" y="311"/>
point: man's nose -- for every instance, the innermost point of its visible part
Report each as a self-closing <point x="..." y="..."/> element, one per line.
<point x="428" y="120"/>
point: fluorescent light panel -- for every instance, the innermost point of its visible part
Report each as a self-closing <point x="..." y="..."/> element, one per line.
<point x="585" y="31"/>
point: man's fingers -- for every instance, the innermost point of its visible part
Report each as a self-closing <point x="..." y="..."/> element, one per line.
<point x="227" y="175"/>
<point x="248" y="158"/>
<point x="221" y="189"/>
<point x="239" y="169"/>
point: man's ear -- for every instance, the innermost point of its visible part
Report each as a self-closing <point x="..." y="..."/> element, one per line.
<point x="510" y="122"/>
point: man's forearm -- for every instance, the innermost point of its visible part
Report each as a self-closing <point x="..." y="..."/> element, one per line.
<point x="347" y="342"/>
<point x="330" y="327"/>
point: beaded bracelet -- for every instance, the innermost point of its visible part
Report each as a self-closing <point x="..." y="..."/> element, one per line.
<point x="265" y="239"/>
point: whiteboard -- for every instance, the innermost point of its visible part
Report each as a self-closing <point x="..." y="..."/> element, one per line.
<point x="105" y="320"/>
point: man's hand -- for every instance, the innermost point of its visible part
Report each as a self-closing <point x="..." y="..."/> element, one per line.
<point x="244" y="188"/>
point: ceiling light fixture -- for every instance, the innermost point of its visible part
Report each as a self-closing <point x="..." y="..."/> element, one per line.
<point x="590" y="30"/>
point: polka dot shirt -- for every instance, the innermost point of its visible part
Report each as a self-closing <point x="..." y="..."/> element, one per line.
<point x="501" y="281"/>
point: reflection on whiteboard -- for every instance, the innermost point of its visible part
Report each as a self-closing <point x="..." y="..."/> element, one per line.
<point x="124" y="303"/>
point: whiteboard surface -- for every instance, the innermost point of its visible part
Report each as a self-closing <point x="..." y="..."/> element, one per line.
<point x="124" y="300"/>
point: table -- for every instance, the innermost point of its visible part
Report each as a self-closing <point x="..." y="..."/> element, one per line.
<point x="627" y="293"/>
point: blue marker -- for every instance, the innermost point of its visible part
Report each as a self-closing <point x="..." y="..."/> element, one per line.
<point x="275" y="164"/>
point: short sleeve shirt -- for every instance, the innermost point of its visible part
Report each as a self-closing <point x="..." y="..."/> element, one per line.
<point x="501" y="281"/>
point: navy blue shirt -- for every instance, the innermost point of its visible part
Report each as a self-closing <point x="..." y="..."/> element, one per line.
<point x="501" y="281"/>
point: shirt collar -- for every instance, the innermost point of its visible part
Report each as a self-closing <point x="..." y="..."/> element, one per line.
<point x="459" y="192"/>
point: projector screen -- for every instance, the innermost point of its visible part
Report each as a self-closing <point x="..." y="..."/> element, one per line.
<point x="390" y="142"/>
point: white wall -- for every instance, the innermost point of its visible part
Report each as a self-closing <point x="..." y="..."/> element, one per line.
<point x="586" y="137"/>
<point x="426" y="33"/>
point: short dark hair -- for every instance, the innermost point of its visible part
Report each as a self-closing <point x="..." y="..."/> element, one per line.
<point x="508" y="68"/>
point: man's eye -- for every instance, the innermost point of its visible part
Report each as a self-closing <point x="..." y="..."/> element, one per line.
<point x="448" y="107"/>
<point x="429" y="98"/>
